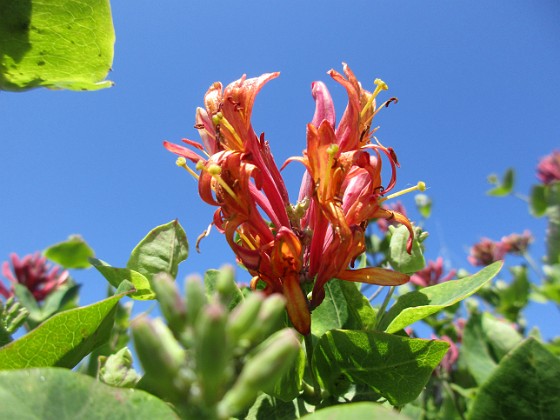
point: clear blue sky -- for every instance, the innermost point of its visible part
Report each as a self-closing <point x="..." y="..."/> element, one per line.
<point x="478" y="84"/>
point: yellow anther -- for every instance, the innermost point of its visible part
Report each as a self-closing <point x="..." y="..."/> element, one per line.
<point x="381" y="85"/>
<point x="214" y="170"/>
<point x="420" y="186"/>
<point x="182" y="162"/>
<point x="217" y="118"/>
<point x="333" y="149"/>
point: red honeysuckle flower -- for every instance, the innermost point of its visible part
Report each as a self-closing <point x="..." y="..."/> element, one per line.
<point x="33" y="272"/>
<point x="318" y="238"/>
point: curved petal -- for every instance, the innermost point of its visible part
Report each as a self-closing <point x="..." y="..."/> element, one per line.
<point x="374" y="275"/>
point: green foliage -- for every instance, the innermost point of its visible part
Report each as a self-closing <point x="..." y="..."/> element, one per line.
<point x="395" y="367"/>
<point x="64" y="339"/>
<point x="72" y="253"/>
<point x="115" y="276"/>
<point x="526" y="384"/>
<point x="419" y="304"/>
<point x="163" y="248"/>
<point x="503" y="187"/>
<point x="54" y="393"/>
<point x="399" y="258"/>
<point x="58" y="44"/>
<point x="361" y="410"/>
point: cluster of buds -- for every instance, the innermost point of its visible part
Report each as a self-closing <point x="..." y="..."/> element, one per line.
<point x="33" y="272"/>
<point x="293" y="247"/>
<point x="488" y="251"/>
<point x="214" y="355"/>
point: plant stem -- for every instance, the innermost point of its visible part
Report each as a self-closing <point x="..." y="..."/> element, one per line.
<point x="309" y="351"/>
<point x="376" y="293"/>
<point x="381" y="311"/>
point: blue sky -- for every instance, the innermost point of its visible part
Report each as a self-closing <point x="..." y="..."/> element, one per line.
<point x="478" y="85"/>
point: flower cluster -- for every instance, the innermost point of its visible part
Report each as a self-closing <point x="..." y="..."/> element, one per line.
<point x="548" y="169"/>
<point x="286" y="246"/>
<point x="432" y="274"/>
<point x="33" y="272"/>
<point x="488" y="251"/>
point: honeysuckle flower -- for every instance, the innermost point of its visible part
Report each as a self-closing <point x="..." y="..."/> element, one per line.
<point x="33" y="272"/>
<point x="432" y="274"/>
<point x="383" y="224"/>
<point x="486" y="252"/>
<point x="548" y="169"/>
<point x="516" y="243"/>
<point x="451" y="356"/>
<point x="318" y="238"/>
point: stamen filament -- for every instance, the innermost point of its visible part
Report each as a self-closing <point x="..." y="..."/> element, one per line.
<point x="246" y="240"/>
<point x="421" y="186"/>
<point x="215" y="171"/>
<point x="219" y="119"/>
<point x="182" y="162"/>
<point x="380" y="85"/>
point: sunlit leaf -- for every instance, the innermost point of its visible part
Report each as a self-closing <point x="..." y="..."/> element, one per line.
<point x="399" y="258"/>
<point x="72" y="253"/>
<point x="54" y="393"/>
<point x="525" y="385"/>
<point x="395" y="367"/>
<point x="160" y="251"/>
<point x="419" y="304"/>
<point x="64" y="339"/>
<point x="58" y="44"/>
<point x="115" y="276"/>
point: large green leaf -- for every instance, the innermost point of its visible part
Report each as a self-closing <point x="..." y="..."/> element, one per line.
<point x="344" y="307"/>
<point x="58" y="44"/>
<point x="485" y="341"/>
<point x="395" y="367"/>
<point x="419" y="304"/>
<point x="526" y="385"/>
<point x="54" y="393"/>
<point x="72" y="253"/>
<point x="115" y="276"/>
<point x="362" y="410"/>
<point x="64" y="339"/>
<point x="160" y="251"/>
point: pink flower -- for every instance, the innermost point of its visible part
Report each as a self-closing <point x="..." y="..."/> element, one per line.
<point x="33" y="272"/>
<point x="486" y="252"/>
<point x="548" y="169"/>
<point x="318" y="238"/>
<point x="451" y="356"/>
<point x="432" y="274"/>
<point x="516" y="243"/>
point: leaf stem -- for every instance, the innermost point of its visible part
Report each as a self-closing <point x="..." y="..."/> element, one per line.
<point x="381" y="311"/>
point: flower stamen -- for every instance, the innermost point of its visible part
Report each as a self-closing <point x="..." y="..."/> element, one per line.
<point x="182" y="162"/>
<point x="421" y="186"/>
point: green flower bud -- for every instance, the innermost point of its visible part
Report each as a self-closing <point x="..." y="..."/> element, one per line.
<point x="116" y="370"/>
<point x="262" y="370"/>
<point x="161" y="357"/>
<point x="242" y="320"/>
<point x="271" y="316"/>
<point x="212" y="352"/>
<point x="195" y="297"/>
<point x="171" y="304"/>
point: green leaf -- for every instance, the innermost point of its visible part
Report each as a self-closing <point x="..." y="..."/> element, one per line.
<point x="361" y="410"/>
<point x="72" y="253"/>
<point x="53" y="393"/>
<point x="419" y="304"/>
<point x="270" y="408"/>
<point x="64" y="339"/>
<point x="399" y="258"/>
<point x="423" y="205"/>
<point x="486" y="340"/>
<point x="538" y="200"/>
<point x="289" y="385"/>
<point x="516" y="295"/>
<point x="525" y="385"/>
<point x="115" y="276"/>
<point x="58" y="44"/>
<point x="160" y="251"/>
<point x="395" y="367"/>
<point x="214" y="283"/>
<point x="503" y="188"/>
